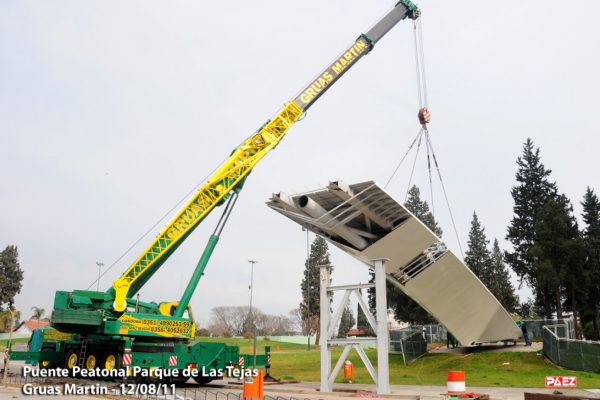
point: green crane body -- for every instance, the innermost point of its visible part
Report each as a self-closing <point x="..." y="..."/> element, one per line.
<point x="111" y="329"/>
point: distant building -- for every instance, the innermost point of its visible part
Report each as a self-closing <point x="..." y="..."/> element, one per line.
<point x="356" y="332"/>
<point x="31" y="324"/>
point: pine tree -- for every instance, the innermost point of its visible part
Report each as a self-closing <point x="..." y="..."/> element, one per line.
<point x="532" y="191"/>
<point x="590" y="309"/>
<point x="500" y="284"/>
<point x="11" y="277"/>
<point x="477" y="256"/>
<point x="557" y="254"/>
<point x="310" y="305"/>
<point x="406" y="309"/>
<point x="346" y="322"/>
<point x="420" y="208"/>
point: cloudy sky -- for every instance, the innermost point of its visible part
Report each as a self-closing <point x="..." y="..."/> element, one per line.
<point x="110" y="112"/>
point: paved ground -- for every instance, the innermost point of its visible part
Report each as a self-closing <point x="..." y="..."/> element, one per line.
<point x="7" y="393"/>
<point x="309" y="390"/>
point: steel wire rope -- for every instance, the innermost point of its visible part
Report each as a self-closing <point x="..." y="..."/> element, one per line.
<point x="412" y="172"/>
<point x="437" y="167"/>
<point x="429" y="173"/>
<point x="422" y="93"/>
<point x="418" y="33"/>
<point x="404" y="157"/>
<point x="423" y="102"/>
<point x="418" y="66"/>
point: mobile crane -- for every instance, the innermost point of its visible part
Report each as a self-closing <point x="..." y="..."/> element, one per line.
<point x="113" y="329"/>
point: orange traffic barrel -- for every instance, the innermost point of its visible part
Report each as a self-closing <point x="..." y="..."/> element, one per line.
<point x="253" y="387"/>
<point x="456" y="382"/>
<point x="348" y="372"/>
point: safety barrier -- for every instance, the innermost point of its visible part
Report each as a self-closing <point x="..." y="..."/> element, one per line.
<point x="455" y="383"/>
<point x="408" y="342"/>
<point x="535" y="327"/>
<point x="579" y="355"/>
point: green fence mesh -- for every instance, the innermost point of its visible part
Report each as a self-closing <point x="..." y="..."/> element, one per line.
<point x="408" y="342"/>
<point x="535" y="327"/>
<point x="573" y="354"/>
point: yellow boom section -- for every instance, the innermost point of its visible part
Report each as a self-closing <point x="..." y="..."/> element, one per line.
<point x="220" y="184"/>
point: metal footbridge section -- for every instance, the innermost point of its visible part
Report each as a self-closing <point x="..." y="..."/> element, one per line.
<point x="365" y="221"/>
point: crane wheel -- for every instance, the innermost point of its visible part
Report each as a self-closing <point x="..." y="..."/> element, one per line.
<point x="91" y="361"/>
<point x="111" y="361"/>
<point x="202" y="380"/>
<point x="180" y="379"/>
<point x="71" y="360"/>
<point x="153" y="379"/>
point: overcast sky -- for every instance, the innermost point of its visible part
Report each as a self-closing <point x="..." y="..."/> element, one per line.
<point x="111" y="111"/>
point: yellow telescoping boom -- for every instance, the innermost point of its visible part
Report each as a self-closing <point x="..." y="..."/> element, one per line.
<point x="229" y="178"/>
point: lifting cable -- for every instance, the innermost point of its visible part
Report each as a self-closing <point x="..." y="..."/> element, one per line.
<point x="412" y="172"/>
<point x="424" y="131"/>
<point x="403" y="157"/>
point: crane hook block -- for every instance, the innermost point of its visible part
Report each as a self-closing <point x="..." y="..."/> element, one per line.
<point x="424" y="116"/>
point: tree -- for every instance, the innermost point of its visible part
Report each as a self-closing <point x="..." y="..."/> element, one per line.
<point x="477" y="256"/>
<point x="557" y="254"/>
<point x="38" y="313"/>
<point x="5" y="317"/>
<point x="420" y="208"/>
<point x="202" y="332"/>
<point x="346" y="322"/>
<point x="528" y="310"/>
<point x="296" y="321"/>
<point x="11" y="277"/>
<point x="591" y="242"/>
<point x="233" y="321"/>
<point x="532" y="191"/>
<point x="500" y="284"/>
<point x="406" y="309"/>
<point x="228" y="321"/>
<point x="310" y="286"/>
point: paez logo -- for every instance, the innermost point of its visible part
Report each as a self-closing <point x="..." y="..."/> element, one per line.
<point x="561" y="381"/>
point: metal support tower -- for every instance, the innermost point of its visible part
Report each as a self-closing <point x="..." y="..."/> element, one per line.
<point x="381" y="376"/>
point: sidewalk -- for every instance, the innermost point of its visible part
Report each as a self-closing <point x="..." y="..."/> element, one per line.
<point x="9" y="393"/>
<point x="309" y="390"/>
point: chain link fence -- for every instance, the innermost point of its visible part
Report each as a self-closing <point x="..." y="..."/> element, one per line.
<point x="579" y="355"/>
<point x="535" y="327"/>
<point x="408" y="342"/>
<point x="434" y="333"/>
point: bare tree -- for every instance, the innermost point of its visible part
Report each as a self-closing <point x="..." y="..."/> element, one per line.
<point x="236" y="321"/>
<point x="230" y="318"/>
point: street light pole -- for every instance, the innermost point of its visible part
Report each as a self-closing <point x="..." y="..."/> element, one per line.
<point x="100" y="265"/>
<point x="308" y="288"/>
<point x="252" y="262"/>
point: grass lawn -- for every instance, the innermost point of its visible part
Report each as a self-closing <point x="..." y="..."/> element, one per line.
<point x="293" y="361"/>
